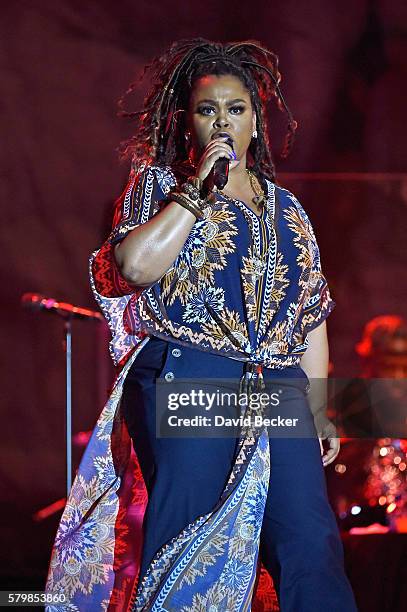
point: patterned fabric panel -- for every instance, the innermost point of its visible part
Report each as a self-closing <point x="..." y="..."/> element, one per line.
<point x="96" y="555"/>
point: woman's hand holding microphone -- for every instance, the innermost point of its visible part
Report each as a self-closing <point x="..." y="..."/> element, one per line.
<point x="197" y="190"/>
<point x="214" y="150"/>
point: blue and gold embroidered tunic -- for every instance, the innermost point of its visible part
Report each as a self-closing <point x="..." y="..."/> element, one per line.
<point x="245" y="286"/>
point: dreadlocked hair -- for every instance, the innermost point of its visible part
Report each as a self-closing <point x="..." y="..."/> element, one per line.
<point x="162" y="122"/>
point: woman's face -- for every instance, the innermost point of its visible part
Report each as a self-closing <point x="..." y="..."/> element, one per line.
<point x="221" y="104"/>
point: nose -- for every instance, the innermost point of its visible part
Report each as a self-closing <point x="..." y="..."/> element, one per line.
<point x="220" y="121"/>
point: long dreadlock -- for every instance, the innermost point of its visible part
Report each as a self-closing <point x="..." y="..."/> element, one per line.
<point x="159" y="137"/>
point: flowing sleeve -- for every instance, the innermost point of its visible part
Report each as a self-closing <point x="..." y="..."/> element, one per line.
<point x="318" y="302"/>
<point x="144" y="196"/>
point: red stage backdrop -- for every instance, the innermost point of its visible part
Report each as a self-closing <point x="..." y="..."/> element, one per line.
<point x="63" y="66"/>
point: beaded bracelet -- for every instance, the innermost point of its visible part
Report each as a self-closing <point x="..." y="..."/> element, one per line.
<point x="192" y="187"/>
<point x="192" y="191"/>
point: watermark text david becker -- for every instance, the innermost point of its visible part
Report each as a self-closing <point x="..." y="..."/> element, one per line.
<point x="220" y="421"/>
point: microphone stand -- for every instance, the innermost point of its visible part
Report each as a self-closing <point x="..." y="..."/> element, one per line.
<point x="67" y="348"/>
<point x="68" y="313"/>
<point x="68" y="414"/>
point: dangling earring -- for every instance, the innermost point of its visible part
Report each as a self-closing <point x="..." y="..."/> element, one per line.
<point x="254" y="135"/>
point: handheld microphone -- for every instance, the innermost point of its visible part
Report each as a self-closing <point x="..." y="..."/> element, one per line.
<point x="221" y="169"/>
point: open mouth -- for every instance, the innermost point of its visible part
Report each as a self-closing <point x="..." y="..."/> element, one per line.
<point x="221" y="135"/>
<point x="226" y="135"/>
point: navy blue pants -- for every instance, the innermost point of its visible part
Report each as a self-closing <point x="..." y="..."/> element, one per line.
<point x="300" y="544"/>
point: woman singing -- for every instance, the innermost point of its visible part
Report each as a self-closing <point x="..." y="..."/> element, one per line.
<point x="208" y="273"/>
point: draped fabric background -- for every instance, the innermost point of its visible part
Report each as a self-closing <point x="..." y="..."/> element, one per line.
<point x="63" y="65"/>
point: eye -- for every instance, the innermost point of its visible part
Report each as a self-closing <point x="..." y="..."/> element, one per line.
<point x="205" y="110"/>
<point x="237" y="110"/>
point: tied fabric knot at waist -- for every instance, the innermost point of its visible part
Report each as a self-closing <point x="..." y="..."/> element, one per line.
<point x="252" y="380"/>
<point x="257" y="379"/>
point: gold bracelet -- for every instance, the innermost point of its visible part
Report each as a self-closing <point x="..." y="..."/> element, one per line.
<point x="185" y="202"/>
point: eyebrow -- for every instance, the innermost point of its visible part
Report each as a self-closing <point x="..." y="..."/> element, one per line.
<point x="230" y="102"/>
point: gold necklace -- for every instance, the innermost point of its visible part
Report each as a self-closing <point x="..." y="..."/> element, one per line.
<point x="259" y="199"/>
<point x="258" y="260"/>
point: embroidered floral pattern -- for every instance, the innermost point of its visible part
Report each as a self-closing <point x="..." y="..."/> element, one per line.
<point x="252" y="270"/>
<point x="204" y="252"/>
<point x="302" y="241"/>
<point x="228" y="328"/>
<point x="84" y="548"/>
<point x="197" y="308"/>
